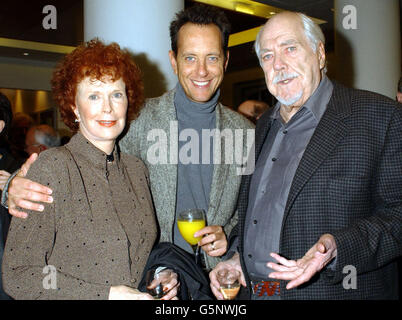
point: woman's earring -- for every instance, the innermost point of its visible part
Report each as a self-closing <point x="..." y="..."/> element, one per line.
<point x="76" y="120"/>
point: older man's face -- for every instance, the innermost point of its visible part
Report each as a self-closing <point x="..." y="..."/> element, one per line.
<point x="292" y="69"/>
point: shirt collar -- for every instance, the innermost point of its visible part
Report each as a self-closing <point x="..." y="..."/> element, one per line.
<point x="318" y="101"/>
<point x="78" y="144"/>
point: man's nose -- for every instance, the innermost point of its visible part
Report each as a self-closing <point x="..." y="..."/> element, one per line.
<point x="279" y="64"/>
<point x="202" y="69"/>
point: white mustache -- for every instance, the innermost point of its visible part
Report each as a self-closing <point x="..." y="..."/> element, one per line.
<point x="284" y="76"/>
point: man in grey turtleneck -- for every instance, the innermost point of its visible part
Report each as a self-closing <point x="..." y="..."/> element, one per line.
<point x="199" y="57"/>
<point x="193" y="179"/>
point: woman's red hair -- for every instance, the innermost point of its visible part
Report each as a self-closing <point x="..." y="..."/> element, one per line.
<point x="96" y="60"/>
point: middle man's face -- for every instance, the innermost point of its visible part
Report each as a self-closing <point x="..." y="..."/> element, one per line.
<point x="200" y="62"/>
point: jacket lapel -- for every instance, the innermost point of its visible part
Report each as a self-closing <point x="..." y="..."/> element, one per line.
<point x="330" y="130"/>
<point x="167" y="173"/>
<point x="221" y="170"/>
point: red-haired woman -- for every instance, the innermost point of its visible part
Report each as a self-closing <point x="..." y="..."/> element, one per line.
<point x="93" y="241"/>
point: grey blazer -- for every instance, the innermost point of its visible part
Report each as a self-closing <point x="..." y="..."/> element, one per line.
<point x="158" y="114"/>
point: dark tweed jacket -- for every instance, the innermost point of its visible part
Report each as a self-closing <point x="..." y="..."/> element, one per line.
<point x="348" y="184"/>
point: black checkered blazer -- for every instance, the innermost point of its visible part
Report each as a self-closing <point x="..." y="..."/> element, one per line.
<point x="348" y="184"/>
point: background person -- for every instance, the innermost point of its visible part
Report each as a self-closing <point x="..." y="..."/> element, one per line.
<point x="252" y="109"/>
<point x="100" y="228"/>
<point x="19" y="128"/>
<point x="40" y="138"/>
<point x="7" y="163"/>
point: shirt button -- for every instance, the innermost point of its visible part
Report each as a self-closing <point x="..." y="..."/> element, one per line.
<point x="274" y="159"/>
<point x="285" y="131"/>
<point x="250" y="256"/>
<point x="255" y="221"/>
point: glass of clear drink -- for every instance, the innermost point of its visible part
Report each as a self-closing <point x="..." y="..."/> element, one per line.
<point x="155" y="281"/>
<point x="229" y="281"/>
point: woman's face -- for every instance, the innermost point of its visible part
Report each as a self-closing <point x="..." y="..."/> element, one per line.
<point x="101" y="108"/>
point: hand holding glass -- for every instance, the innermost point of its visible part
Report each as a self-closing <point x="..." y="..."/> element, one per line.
<point x="229" y="283"/>
<point x="155" y="282"/>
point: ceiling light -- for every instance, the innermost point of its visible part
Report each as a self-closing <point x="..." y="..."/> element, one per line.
<point x="254" y="8"/>
<point x="244" y="8"/>
<point x="245" y="36"/>
<point x="26" y="54"/>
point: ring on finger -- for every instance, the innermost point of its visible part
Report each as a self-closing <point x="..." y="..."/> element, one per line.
<point x="213" y="246"/>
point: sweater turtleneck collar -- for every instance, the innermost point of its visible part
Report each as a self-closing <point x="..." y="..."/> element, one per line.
<point x="191" y="108"/>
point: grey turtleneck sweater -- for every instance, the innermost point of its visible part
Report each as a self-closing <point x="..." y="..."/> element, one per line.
<point x="194" y="174"/>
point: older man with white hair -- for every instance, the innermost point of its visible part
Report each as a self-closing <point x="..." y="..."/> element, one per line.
<point x="323" y="208"/>
<point x="40" y="138"/>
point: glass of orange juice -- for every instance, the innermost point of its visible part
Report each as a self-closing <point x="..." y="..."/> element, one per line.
<point x="189" y="222"/>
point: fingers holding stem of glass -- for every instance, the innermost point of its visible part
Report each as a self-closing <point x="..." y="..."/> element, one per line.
<point x="192" y="226"/>
<point x="189" y="222"/>
<point x="213" y="240"/>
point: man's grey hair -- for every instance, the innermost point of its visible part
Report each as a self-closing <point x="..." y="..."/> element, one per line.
<point x="46" y="138"/>
<point x="312" y="31"/>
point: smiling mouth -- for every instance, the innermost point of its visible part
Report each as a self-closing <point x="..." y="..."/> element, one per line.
<point x="201" y="84"/>
<point x="107" y="123"/>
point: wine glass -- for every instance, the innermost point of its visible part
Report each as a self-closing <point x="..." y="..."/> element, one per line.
<point x="189" y="222"/>
<point x="155" y="280"/>
<point x="229" y="283"/>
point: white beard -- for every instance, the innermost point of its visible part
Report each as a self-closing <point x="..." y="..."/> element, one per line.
<point x="290" y="101"/>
